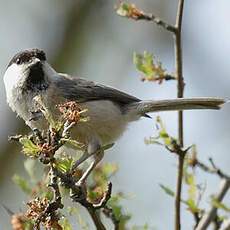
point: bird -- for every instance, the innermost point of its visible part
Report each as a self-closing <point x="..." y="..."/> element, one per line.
<point x="110" y="110"/>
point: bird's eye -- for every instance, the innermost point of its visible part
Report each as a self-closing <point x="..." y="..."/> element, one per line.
<point x="18" y="61"/>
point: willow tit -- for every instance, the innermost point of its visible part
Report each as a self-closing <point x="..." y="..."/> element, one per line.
<point x="110" y="111"/>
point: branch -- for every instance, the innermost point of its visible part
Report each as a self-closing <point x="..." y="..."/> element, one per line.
<point x="79" y="194"/>
<point x="180" y="94"/>
<point x="211" y="215"/>
<point x="212" y="170"/>
<point x="51" y="209"/>
<point x="159" y="22"/>
<point x="46" y="148"/>
<point x="131" y="11"/>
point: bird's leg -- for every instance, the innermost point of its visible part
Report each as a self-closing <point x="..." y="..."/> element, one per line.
<point x="94" y="148"/>
<point x="97" y="158"/>
<point x="84" y="157"/>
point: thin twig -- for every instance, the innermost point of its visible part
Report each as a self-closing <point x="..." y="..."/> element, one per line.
<point x="131" y="11"/>
<point x="180" y="94"/>
<point x="158" y="21"/>
<point x="137" y="14"/>
<point x="211" y="214"/>
<point x="218" y="171"/>
<point x="213" y="169"/>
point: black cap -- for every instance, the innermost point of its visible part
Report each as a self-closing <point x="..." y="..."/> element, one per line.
<point x="26" y="55"/>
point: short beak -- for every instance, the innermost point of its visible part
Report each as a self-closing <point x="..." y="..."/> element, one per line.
<point x="35" y="63"/>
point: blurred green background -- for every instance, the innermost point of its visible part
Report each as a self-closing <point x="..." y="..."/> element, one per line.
<point x="86" y="38"/>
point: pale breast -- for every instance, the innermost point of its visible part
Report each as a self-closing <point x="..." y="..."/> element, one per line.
<point x="106" y="122"/>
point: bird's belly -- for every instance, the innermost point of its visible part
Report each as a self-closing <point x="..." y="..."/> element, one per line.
<point x="106" y="122"/>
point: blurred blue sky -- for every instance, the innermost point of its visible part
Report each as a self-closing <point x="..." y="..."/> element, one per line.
<point x="101" y="50"/>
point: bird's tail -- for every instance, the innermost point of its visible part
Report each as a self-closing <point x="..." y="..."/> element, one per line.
<point x="143" y="107"/>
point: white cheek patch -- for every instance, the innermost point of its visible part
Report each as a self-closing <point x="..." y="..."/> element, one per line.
<point x="13" y="76"/>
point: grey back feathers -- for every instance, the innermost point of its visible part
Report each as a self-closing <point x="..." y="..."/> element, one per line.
<point x="83" y="90"/>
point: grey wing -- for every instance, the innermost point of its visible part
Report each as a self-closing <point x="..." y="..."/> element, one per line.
<point x="82" y="90"/>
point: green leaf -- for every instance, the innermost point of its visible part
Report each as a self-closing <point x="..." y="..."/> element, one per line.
<point x="152" y="69"/>
<point x="192" y="205"/>
<point x="29" y="148"/>
<point x="190" y="180"/>
<point x="22" y="183"/>
<point x="165" y="137"/>
<point x="163" y="134"/>
<point x="64" y="163"/>
<point x="167" y="190"/>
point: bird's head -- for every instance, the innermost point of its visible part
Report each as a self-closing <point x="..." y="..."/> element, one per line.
<point x="28" y="70"/>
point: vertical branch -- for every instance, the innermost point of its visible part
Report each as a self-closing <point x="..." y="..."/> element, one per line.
<point x="180" y="94"/>
<point x="130" y="11"/>
<point x="179" y="67"/>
